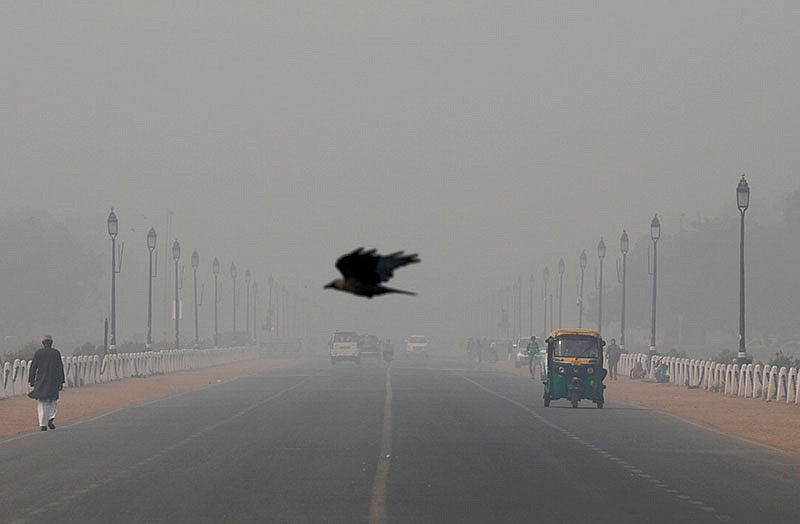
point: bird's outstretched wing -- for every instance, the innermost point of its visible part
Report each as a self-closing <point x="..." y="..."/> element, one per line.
<point x="369" y="267"/>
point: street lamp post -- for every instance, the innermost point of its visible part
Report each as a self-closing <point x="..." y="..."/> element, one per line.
<point x="743" y="202"/>
<point x="215" y="270"/>
<point x="601" y="254"/>
<point x="623" y="246"/>
<point x="530" y="323"/>
<point x="255" y="310"/>
<point x="271" y="283"/>
<point x="561" y="268"/>
<point x="582" y="262"/>
<point x="233" y="277"/>
<point x="113" y="229"/>
<point x="545" y="279"/>
<point x="517" y="307"/>
<point x="655" y="234"/>
<point x="247" y="277"/>
<point x="176" y="254"/>
<point x="195" y="265"/>
<point x="151" y="246"/>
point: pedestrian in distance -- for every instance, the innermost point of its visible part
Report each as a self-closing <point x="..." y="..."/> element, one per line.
<point x="532" y="349"/>
<point x="46" y="377"/>
<point x="638" y="371"/>
<point x="613" y="353"/>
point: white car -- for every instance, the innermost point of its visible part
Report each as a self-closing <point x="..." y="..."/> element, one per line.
<point x="344" y="346"/>
<point x="417" y="344"/>
<point x="520" y="352"/>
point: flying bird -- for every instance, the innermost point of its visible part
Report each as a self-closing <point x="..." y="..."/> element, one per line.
<point x="363" y="271"/>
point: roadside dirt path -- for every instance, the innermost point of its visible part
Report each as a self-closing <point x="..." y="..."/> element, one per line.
<point x="774" y="423"/>
<point x="18" y="414"/>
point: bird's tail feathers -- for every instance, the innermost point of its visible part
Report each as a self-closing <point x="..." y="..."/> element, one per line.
<point x="385" y="289"/>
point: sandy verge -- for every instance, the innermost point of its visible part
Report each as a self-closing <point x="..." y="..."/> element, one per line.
<point x="774" y="423"/>
<point x="18" y="414"/>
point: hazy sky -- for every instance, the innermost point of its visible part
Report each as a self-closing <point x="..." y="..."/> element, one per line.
<point x="490" y="137"/>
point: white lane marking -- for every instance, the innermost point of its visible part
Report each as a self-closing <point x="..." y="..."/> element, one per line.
<point x="135" y="466"/>
<point x="377" y="506"/>
<point x="657" y="483"/>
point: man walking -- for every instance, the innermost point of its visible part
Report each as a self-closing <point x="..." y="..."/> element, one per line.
<point x="46" y="377"/>
<point x="613" y="352"/>
<point x="533" y="355"/>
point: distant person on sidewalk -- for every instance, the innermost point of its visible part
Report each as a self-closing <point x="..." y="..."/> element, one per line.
<point x="638" y="371"/>
<point x="46" y="377"/>
<point x="613" y="353"/>
<point x="662" y="373"/>
<point x="532" y="350"/>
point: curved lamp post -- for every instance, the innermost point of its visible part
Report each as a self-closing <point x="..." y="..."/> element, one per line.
<point x="655" y="234"/>
<point x="233" y="277"/>
<point x="113" y="229"/>
<point x="151" y="246"/>
<point x="561" y="268"/>
<point x="743" y="202"/>
<point x="582" y="262"/>
<point x="195" y="265"/>
<point x="601" y="254"/>
<point x="623" y="246"/>
<point x="176" y="255"/>
<point x="215" y="270"/>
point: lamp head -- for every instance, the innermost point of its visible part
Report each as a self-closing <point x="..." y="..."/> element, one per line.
<point x="195" y="259"/>
<point x="601" y="249"/>
<point x="655" y="228"/>
<point x="743" y="195"/>
<point x="561" y="266"/>
<point x="151" y="239"/>
<point x="623" y="242"/>
<point x="233" y="270"/>
<point x="215" y="266"/>
<point x="582" y="259"/>
<point x="176" y="250"/>
<point x="113" y="225"/>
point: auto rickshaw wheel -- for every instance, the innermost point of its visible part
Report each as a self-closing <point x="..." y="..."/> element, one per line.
<point x="546" y="400"/>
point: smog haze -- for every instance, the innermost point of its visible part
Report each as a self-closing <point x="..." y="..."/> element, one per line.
<point x="492" y="139"/>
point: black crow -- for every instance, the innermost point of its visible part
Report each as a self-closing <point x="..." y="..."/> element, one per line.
<point x="363" y="271"/>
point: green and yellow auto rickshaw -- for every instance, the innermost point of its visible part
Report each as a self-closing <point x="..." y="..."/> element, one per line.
<point x="574" y="367"/>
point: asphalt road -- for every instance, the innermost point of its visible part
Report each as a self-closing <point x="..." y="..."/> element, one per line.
<point x="431" y="440"/>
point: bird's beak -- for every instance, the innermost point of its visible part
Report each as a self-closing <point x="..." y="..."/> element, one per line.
<point x="328" y="285"/>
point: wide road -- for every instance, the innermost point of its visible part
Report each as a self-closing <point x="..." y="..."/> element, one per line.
<point x="424" y="440"/>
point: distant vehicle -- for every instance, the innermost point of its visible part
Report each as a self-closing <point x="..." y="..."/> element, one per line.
<point x="370" y="346"/>
<point x="520" y="352"/>
<point x="574" y="369"/>
<point x="497" y="349"/>
<point x="344" y="346"/>
<point x="417" y="344"/>
<point x="387" y="350"/>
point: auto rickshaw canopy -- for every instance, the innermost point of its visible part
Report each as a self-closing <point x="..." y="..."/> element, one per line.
<point x="576" y="344"/>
